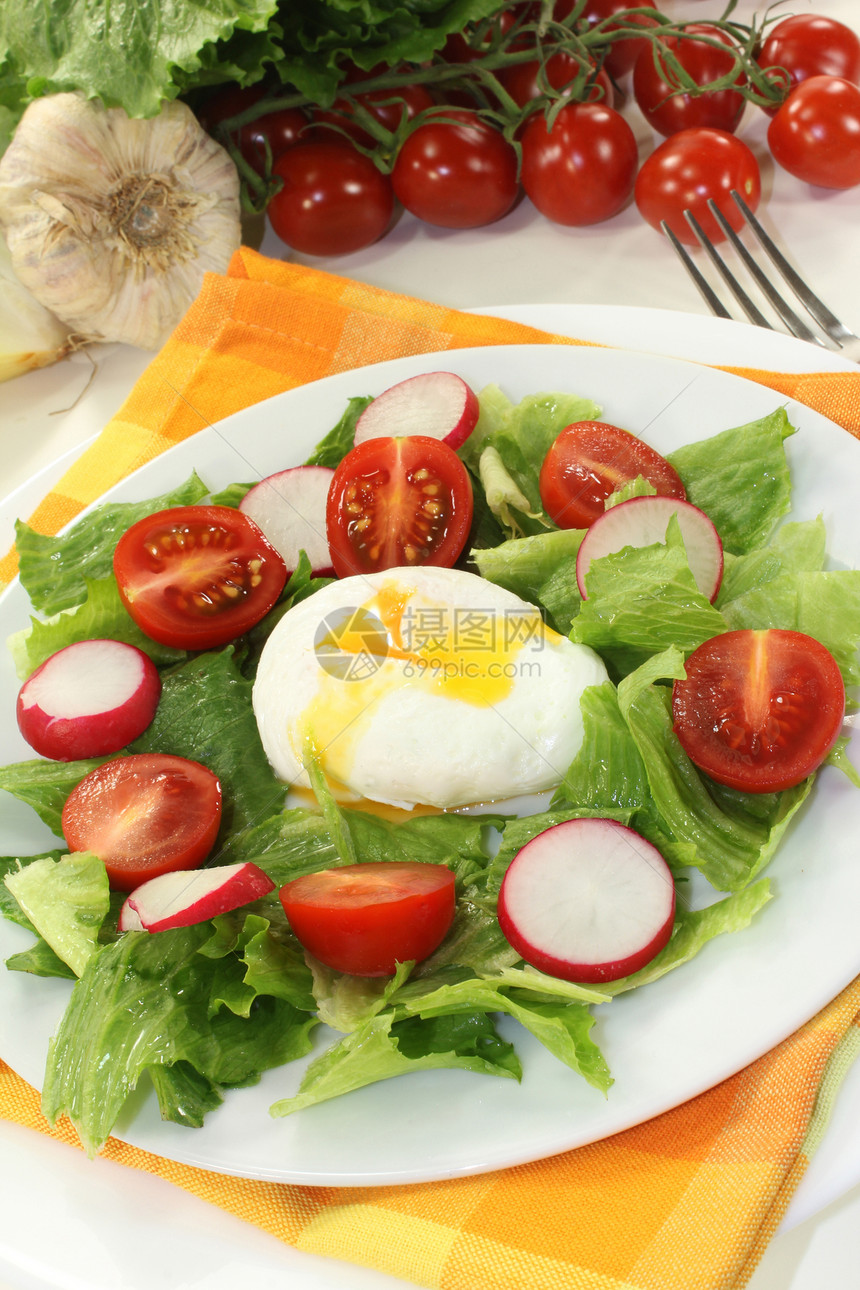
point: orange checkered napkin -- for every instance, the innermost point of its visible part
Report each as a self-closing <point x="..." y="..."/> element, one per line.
<point x="688" y="1199"/>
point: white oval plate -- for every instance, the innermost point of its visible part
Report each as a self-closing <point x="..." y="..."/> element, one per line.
<point x="664" y="1043"/>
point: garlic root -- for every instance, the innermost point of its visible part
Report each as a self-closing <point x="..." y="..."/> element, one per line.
<point x="112" y="221"/>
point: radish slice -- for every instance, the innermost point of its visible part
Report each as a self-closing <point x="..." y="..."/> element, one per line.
<point x="290" y="509"/>
<point x="89" y="699"/>
<point x="587" y="900"/>
<point x="181" y="898"/>
<point x="642" y="521"/>
<point x="437" y="404"/>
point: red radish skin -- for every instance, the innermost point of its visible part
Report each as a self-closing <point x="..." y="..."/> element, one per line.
<point x="182" y="898"/>
<point x="587" y="900"/>
<point x="289" y="507"/>
<point x="438" y="405"/>
<point x="89" y="699"/>
<point x="642" y="521"/>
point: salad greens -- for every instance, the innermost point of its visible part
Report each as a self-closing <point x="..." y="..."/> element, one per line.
<point x="204" y="1009"/>
<point x="137" y="55"/>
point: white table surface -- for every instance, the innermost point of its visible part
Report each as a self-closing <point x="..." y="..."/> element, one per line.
<point x="49" y="1195"/>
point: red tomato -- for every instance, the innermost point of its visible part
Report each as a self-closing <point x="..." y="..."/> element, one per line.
<point x="591" y="460"/>
<point x="667" y="111"/>
<point x="815" y="135"/>
<point x="366" y="918"/>
<point x="525" y="81"/>
<point x="195" y="577"/>
<point x="457" y="48"/>
<point x="144" y="815"/>
<point x="809" y="44"/>
<point x="333" y="201"/>
<point x="281" y="130"/>
<point x="689" y="168"/>
<point x="387" y="106"/>
<point x="395" y="502"/>
<point x="226" y="102"/>
<point x="759" y="710"/>
<point x="621" y="54"/>
<point x="584" y="168"/>
<point x="457" y="173"/>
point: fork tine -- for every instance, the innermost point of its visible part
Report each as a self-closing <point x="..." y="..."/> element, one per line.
<point x="751" y="310"/>
<point x="712" y="300"/>
<point x="835" y="329"/>
<point x="794" y="324"/>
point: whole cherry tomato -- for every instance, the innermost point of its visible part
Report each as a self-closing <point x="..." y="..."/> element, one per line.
<point x="686" y="170"/>
<point x="333" y="201"/>
<point x="457" y="172"/>
<point x="815" y="135"/>
<point x="582" y="170"/>
<point x="809" y="44"/>
<point x="668" y="111"/>
<point x="280" y="130"/>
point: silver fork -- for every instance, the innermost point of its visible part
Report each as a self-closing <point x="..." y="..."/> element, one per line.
<point x="836" y="334"/>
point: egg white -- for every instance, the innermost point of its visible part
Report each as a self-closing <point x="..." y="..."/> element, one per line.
<point x="416" y="728"/>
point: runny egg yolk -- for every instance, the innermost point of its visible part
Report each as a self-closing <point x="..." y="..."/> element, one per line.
<point x="464" y="656"/>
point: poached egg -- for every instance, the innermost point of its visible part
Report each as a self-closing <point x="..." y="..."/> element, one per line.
<point x="422" y="686"/>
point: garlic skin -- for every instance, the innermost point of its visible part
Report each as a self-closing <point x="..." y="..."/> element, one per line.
<point x="111" y="222"/>
<point x="30" y="336"/>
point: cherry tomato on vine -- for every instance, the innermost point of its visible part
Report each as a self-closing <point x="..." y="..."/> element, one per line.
<point x="759" y="710"/>
<point x="195" y="577"/>
<point x="280" y="130"/>
<point x="809" y="44"/>
<point x="621" y="54"/>
<point x="226" y="102"/>
<point x="582" y="170"/>
<point x="457" y="48"/>
<point x="333" y="201"/>
<point x="144" y="815"/>
<point x="686" y="170"/>
<point x="667" y="111"/>
<point x="591" y="460"/>
<point x="366" y="918"/>
<point x="523" y="81"/>
<point x="458" y="172"/>
<point x="815" y="135"/>
<point x="396" y="502"/>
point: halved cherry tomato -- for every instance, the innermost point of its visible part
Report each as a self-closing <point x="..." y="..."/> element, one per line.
<point x="395" y="502"/>
<point x="366" y="918"/>
<point x="591" y="460"/>
<point x="144" y="815"/>
<point x="195" y="577"/>
<point x="759" y="710"/>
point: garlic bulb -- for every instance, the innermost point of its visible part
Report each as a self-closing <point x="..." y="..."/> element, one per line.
<point x="30" y="336"/>
<point x="111" y="222"/>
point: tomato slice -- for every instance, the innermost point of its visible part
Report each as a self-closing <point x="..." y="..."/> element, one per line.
<point x="591" y="460"/>
<point x="396" y="502"/>
<point x="759" y="710"/>
<point x="144" y="815"/>
<point x="195" y="577"/>
<point x="366" y="918"/>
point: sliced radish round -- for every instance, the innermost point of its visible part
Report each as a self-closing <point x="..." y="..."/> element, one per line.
<point x="438" y="405"/>
<point x="290" y="509"/>
<point x="89" y="699"/>
<point x="182" y="898"/>
<point x="642" y="521"/>
<point x="587" y="900"/>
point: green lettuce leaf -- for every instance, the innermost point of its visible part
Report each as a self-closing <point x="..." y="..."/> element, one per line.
<point x="740" y="479"/>
<point x="331" y="450"/>
<point x="45" y="785"/>
<point x="541" y="569"/>
<point x="66" y="901"/>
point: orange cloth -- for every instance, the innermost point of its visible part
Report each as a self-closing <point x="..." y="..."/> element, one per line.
<point x="688" y="1199"/>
